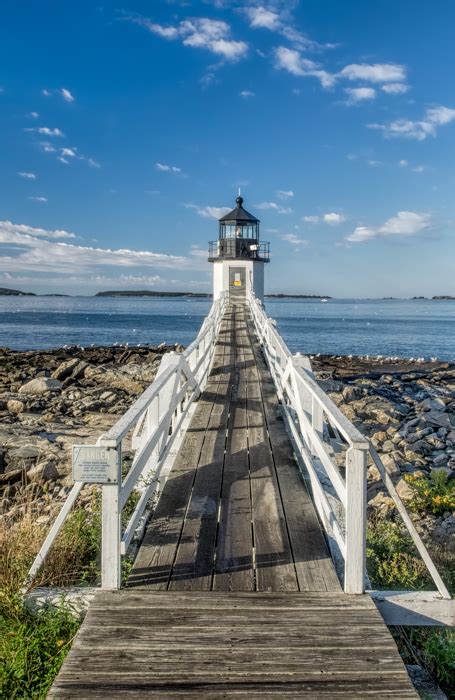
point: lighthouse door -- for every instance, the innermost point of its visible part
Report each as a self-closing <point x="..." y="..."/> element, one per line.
<point x="237" y="284"/>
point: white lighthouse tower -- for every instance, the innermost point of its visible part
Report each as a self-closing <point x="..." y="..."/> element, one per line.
<point x="238" y="256"/>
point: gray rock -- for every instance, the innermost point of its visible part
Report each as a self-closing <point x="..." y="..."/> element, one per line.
<point x="46" y="471"/>
<point x="65" y="369"/>
<point x="432" y="405"/>
<point x="404" y="491"/>
<point x="352" y="393"/>
<point x="330" y="385"/>
<point x="436" y="418"/>
<point x="40" y="386"/>
<point x="15" y="406"/>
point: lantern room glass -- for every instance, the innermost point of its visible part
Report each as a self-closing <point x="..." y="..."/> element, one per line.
<point x="233" y="229"/>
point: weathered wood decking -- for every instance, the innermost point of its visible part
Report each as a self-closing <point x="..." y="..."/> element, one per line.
<point x="234" y="514"/>
<point x="233" y="592"/>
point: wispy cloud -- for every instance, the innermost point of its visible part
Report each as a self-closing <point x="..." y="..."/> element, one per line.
<point x="418" y="130"/>
<point x="294" y="240"/>
<point x="333" y="219"/>
<point x="62" y="92"/>
<point x="39" y="250"/>
<point x="38" y="199"/>
<point x="27" y="176"/>
<point x="375" y="73"/>
<point x="280" y="21"/>
<point x="395" y="88"/>
<point x="208" y="212"/>
<point x="404" y="223"/>
<point x="45" y="131"/>
<point x="293" y="62"/>
<point x="33" y="115"/>
<point x="360" y="94"/>
<point x="199" y="32"/>
<point x="66" y="94"/>
<point x="164" y="168"/>
<point x="284" y="194"/>
<point x="414" y="168"/>
<point x="247" y="93"/>
<point x="274" y="207"/>
<point x="309" y="219"/>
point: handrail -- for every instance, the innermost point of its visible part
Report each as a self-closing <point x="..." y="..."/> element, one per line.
<point x="159" y="417"/>
<point x="311" y="417"/>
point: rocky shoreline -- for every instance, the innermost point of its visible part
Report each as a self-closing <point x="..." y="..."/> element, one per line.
<point x="50" y="400"/>
<point x="407" y="409"/>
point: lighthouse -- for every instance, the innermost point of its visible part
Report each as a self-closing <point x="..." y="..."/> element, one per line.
<point x="238" y="256"/>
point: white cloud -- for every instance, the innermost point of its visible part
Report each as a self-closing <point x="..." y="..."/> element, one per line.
<point x="27" y="176"/>
<point x="374" y="163"/>
<point x="209" y="212"/>
<point x="294" y="240"/>
<point x="275" y="207"/>
<point x="33" y="115"/>
<point x="418" y="130"/>
<point x="164" y="168"/>
<point x="47" y="147"/>
<point x="375" y="73"/>
<point x="247" y="93"/>
<point x="262" y="18"/>
<point x="199" y="32"/>
<point x="360" y="94"/>
<point x="66" y="94"/>
<point x="63" y="160"/>
<point x="7" y="228"/>
<point x="403" y="163"/>
<point x="404" y="223"/>
<point x="413" y="168"/>
<point x="293" y="62"/>
<point x="46" y="93"/>
<point x="38" y="199"/>
<point x="333" y="219"/>
<point x="284" y="194"/>
<point x="45" y="131"/>
<point x="395" y="88"/>
<point x="68" y="152"/>
<point x="93" y="163"/>
<point x="310" y="219"/>
<point x="38" y="250"/>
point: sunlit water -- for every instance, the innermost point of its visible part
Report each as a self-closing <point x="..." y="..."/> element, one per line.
<point x="358" y="327"/>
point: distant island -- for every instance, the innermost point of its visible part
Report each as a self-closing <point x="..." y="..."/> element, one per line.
<point x="297" y="296"/>
<point x="15" y="293"/>
<point x="444" y="297"/>
<point x="148" y="293"/>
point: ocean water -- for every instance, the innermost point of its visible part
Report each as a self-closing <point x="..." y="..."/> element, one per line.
<point x="397" y="328"/>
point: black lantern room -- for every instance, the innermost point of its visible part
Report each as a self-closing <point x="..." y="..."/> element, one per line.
<point x="238" y="237"/>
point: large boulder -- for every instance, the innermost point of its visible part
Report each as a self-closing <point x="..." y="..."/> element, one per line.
<point x="41" y="385"/>
<point x="45" y="471"/>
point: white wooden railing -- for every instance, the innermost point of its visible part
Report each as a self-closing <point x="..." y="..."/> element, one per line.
<point x="155" y="425"/>
<point x="318" y="430"/>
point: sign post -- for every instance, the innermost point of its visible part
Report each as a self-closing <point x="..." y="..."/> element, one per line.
<point x="94" y="464"/>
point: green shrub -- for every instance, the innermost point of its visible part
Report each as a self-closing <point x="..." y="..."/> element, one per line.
<point x="392" y="561"/>
<point x="434" y="495"/>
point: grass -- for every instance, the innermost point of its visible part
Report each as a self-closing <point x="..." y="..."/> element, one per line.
<point x="393" y="563"/>
<point x="33" y="646"/>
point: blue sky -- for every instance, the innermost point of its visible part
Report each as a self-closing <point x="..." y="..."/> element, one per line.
<point x="127" y="129"/>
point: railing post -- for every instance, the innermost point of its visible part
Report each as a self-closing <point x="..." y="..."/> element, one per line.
<point x="111" y="531"/>
<point x="356" y="499"/>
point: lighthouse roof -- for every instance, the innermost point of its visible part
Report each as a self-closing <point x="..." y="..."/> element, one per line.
<point x="239" y="214"/>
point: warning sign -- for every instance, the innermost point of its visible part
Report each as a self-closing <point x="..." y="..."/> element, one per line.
<point x="95" y="465"/>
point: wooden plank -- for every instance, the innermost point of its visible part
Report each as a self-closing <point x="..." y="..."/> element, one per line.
<point x="234" y="557"/>
<point x="325" y="645"/>
<point x="193" y="566"/>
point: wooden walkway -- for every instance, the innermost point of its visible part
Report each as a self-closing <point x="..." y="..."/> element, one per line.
<point x="233" y="591"/>
<point x="235" y="514"/>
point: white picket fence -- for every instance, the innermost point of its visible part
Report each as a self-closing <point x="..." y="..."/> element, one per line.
<point x="156" y="424"/>
<point x="318" y="429"/>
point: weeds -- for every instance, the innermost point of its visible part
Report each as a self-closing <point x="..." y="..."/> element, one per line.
<point x="435" y="495"/>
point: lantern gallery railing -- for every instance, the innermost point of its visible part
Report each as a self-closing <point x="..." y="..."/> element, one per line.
<point x="238" y="249"/>
<point x="334" y="454"/>
<point x="153" y="427"/>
